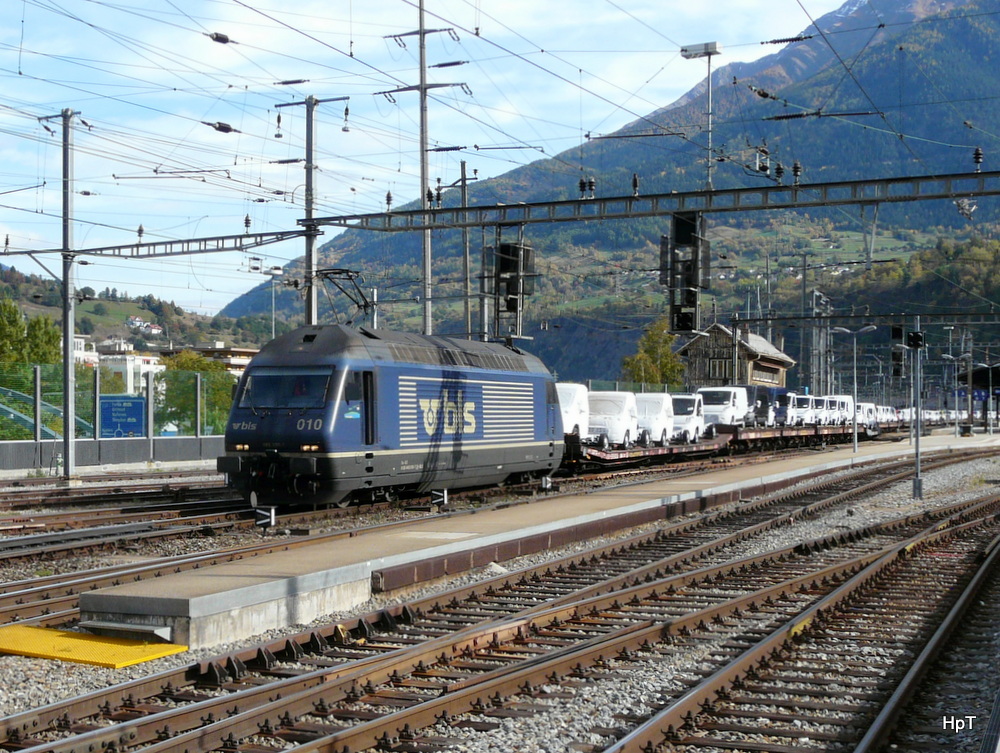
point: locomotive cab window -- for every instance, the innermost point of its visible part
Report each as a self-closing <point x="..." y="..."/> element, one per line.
<point x="280" y="387"/>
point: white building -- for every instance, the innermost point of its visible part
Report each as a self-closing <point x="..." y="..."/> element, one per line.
<point x="113" y="345"/>
<point x="83" y="351"/>
<point x="133" y="369"/>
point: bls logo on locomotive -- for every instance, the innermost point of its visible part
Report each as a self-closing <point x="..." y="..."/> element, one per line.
<point x="451" y="415"/>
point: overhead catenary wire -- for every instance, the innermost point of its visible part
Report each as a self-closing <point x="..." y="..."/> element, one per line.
<point x="252" y="179"/>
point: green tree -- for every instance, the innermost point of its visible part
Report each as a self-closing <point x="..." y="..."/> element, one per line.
<point x="655" y="361"/>
<point x="12" y="331"/>
<point x="43" y="341"/>
<point x="36" y="340"/>
<point x="112" y="383"/>
<point x="175" y="403"/>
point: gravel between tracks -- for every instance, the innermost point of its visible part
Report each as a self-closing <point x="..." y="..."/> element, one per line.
<point x="28" y="683"/>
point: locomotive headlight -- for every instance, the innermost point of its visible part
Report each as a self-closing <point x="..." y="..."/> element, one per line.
<point x="242" y="447"/>
<point x="310" y="448"/>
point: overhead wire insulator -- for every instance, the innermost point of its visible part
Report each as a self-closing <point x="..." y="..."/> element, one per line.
<point x="220" y="127"/>
<point x="977" y="158"/>
<point x="246" y="223"/>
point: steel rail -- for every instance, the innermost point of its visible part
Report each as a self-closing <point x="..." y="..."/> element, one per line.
<point x="467" y="696"/>
<point x="880" y="730"/>
<point x="678" y="714"/>
<point x="382" y="668"/>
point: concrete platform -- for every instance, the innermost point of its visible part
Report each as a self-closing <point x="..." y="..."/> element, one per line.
<point x="236" y="600"/>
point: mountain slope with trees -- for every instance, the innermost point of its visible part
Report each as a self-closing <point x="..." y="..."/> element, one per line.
<point x="898" y="89"/>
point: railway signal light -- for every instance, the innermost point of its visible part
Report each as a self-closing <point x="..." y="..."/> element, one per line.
<point x="515" y="268"/>
<point x="914" y="339"/>
<point x="683" y="321"/>
<point x="685" y="268"/>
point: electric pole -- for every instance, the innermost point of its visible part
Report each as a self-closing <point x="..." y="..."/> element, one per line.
<point x="311" y="228"/>
<point x="69" y="301"/>
<point x="68" y="297"/>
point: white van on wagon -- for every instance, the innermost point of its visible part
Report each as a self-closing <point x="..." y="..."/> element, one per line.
<point x="656" y="418"/>
<point x="689" y="417"/>
<point x="802" y="411"/>
<point x="725" y="406"/>
<point x="574" y="406"/>
<point x="614" y="419"/>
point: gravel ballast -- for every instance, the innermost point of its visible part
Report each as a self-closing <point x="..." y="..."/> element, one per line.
<point x="27" y="683"/>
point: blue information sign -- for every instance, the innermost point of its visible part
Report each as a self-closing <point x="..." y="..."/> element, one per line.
<point x="123" y="416"/>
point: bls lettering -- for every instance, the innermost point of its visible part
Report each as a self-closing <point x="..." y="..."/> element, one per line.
<point x="452" y="415"/>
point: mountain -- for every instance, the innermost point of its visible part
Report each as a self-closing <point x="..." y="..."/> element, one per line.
<point x="867" y="92"/>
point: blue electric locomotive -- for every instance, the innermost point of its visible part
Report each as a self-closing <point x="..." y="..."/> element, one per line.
<point x="332" y="414"/>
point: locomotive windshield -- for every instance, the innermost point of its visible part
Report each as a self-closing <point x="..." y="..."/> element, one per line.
<point x="285" y="387"/>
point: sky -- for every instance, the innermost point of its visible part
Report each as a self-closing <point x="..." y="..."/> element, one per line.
<point x="177" y="126"/>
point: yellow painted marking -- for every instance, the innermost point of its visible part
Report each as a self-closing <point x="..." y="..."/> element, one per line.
<point x="798" y="627"/>
<point x="81" y="648"/>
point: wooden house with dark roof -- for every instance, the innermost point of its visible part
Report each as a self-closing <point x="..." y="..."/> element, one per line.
<point x="718" y="356"/>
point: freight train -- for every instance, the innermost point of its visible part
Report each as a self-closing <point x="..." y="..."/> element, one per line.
<point x="331" y="414"/>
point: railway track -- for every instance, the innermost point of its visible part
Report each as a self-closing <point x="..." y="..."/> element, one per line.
<point x="825" y="673"/>
<point x="160" y="512"/>
<point x="41" y="494"/>
<point x="570" y="615"/>
<point x="53" y="600"/>
<point x="953" y="700"/>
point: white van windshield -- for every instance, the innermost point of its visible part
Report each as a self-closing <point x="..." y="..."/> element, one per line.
<point x="683" y="406"/>
<point x="607" y="406"/>
<point x="650" y="406"/>
<point x="716" y="397"/>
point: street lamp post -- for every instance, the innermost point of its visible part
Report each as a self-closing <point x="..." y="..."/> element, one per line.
<point x="988" y="422"/>
<point x="705" y="50"/>
<point x="956" y="359"/>
<point x="854" y="334"/>
<point x="274" y="273"/>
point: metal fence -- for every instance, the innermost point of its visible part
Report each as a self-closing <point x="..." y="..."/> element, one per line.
<point x="172" y="415"/>
<point x="594" y="385"/>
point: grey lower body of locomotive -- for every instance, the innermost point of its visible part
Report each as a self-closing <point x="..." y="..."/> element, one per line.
<point x="373" y="475"/>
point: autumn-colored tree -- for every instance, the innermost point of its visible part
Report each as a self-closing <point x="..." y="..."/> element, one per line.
<point x="655" y="361"/>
